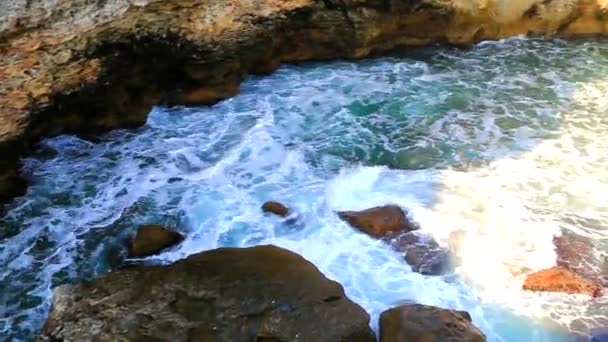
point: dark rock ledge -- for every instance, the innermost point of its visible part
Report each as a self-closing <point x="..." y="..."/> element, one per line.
<point x="86" y="66"/>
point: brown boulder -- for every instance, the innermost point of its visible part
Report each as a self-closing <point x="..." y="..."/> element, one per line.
<point x="379" y="222"/>
<point x="275" y="208"/>
<point x="559" y="279"/>
<point x="423" y="253"/>
<point x="261" y="293"/>
<point x="424" y="323"/>
<point x="152" y="239"/>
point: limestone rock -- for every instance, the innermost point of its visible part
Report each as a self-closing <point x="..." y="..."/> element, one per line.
<point x="559" y="279"/>
<point x="379" y="222"/>
<point x="119" y="58"/>
<point x="152" y="239"/>
<point x="261" y="293"/>
<point x="275" y="208"/>
<point x="424" y="323"/>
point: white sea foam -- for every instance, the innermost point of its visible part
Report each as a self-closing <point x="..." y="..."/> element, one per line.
<point x="500" y="144"/>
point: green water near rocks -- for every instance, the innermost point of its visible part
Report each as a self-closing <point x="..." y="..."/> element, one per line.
<point x="505" y="143"/>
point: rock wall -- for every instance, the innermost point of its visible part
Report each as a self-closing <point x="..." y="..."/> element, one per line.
<point x="84" y="66"/>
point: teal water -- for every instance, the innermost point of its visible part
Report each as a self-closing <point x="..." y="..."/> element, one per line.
<point x="503" y="145"/>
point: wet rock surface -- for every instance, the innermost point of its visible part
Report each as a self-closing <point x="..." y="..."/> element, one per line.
<point x="380" y="221"/>
<point x="119" y="58"/>
<point x="559" y="279"/>
<point x="424" y="323"/>
<point x="275" y="208"/>
<point x="152" y="239"/>
<point x="578" y="254"/>
<point x="423" y="253"/>
<point x="261" y="293"/>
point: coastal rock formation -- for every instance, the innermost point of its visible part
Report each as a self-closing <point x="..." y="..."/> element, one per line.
<point x="84" y="66"/>
<point x="424" y="323"/>
<point x="559" y="279"/>
<point x="423" y="253"/>
<point x="275" y="208"/>
<point x="391" y="224"/>
<point x="379" y="222"/>
<point x="152" y="239"/>
<point x="261" y="293"/>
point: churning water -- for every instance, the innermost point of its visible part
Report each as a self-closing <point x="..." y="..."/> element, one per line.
<point x="506" y="144"/>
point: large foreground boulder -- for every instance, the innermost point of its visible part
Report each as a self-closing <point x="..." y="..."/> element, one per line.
<point x="379" y="222"/>
<point x="262" y="293"/>
<point x="424" y="323"/>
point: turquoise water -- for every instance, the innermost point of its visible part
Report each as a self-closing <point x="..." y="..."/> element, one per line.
<point x="504" y="144"/>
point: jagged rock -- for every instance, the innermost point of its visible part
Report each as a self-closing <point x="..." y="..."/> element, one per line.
<point x="577" y="254"/>
<point x="559" y="279"/>
<point x="119" y="58"/>
<point x="423" y="253"/>
<point x="425" y="323"/>
<point x="227" y="294"/>
<point x="152" y="239"/>
<point x="275" y="208"/>
<point x="379" y="222"/>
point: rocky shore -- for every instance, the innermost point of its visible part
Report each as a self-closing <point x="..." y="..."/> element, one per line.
<point x="85" y="66"/>
<point x="261" y="293"/>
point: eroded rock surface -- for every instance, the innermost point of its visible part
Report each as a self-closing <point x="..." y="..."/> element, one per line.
<point x="424" y="323"/>
<point x="262" y="293"/>
<point x="423" y="253"/>
<point x="87" y="65"/>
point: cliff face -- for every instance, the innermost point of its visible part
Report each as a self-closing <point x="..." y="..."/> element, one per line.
<point x="83" y="66"/>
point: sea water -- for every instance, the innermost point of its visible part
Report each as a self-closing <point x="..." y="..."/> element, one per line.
<point x="493" y="150"/>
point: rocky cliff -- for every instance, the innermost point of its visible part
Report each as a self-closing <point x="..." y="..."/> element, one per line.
<point x="83" y="66"/>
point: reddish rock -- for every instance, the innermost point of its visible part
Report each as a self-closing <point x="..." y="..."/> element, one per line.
<point x="275" y="208"/>
<point x="424" y="323"/>
<point x="379" y="222"/>
<point x="152" y="239"/>
<point x="559" y="279"/>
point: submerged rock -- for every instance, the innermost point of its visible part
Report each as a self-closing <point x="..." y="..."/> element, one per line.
<point x="379" y="222"/>
<point x="275" y="208"/>
<point x="577" y="254"/>
<point x="425" y="323"/>
<point x="152" y="239"/>
<point x="423" y="253"/>
<point x="599" y="335"/>
<point x="261" y="293"/>
<point x="559" y="279"/>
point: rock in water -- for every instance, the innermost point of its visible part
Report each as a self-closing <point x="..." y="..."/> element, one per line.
<point x="227" y="294"/>
<point x="379" y="222"/>
<point x="275" y="208"/>
<point x="424" y="323"/>
<point x="577" y="253"/>
<point x="423" y="253"/>
<point x="559" y="279"/>
<point x="152" y="239"/>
